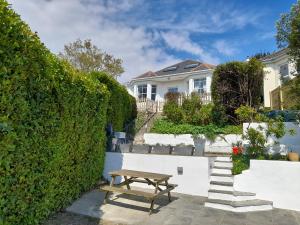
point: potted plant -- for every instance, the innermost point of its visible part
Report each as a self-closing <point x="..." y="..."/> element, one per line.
<point x="293" y="156"/>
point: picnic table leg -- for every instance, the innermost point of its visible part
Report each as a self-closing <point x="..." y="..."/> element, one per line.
<point x="127" y="182"/>
<point x="169" y="193"/>
<point x="111" y="184"/>
<point x="151" y="207"/>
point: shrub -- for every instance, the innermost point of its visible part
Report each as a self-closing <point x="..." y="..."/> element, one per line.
<point x="240" y="162"/>
<point x="203" y="116"/>
<point x="173" y="112"/>
<point x="163" y="126"/>
<point x="172" y="97"/>
<point x="245" y="114"/>
<point x="52" y="121"/>
<point x="122" y="106"/>
<point x="238" y="83"/>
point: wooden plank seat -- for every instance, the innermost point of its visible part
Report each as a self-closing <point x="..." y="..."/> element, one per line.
<point x="159" y="181"/>
<point x="144" y="194"/>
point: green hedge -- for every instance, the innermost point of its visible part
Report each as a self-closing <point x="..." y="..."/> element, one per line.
<point x="122" y="106"/>
<point x="52" y="121"/>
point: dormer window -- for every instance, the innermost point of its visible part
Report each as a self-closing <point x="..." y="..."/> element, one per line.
<point x="172" y="68"/>
<point x="193" y="65"/>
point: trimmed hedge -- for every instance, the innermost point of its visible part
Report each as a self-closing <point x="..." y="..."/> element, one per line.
<point x="121" y="106"/>
<point x="52" y="126"/>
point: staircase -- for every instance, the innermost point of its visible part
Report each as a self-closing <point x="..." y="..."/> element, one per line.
<point x="221" y="194"/>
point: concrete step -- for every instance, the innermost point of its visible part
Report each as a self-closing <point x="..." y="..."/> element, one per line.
<point x="222" y="183"/>
<point x="221" y="171"/>
<point x="221" y="175"/>
<point x="221" y="178"/>
<point x="223" y="158"/>
<point x="240" y="206"/>
<point x="223" y="167"/>
<point x="223" y="164"/>
<point x="221" y="187"/>
<point x="230" y="195"/>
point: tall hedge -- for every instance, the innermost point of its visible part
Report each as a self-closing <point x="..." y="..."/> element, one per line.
<point x="52" y="126"/>
<point x="237" y="83"/>
<point x="122" y="106"/>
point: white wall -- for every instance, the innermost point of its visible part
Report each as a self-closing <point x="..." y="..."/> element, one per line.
<point x="193" y="181"/>
<point x="221" y="144"/>
<point x="287" y="142"/>
<point x="277" y="181"/>
<point x="272" y="75"/>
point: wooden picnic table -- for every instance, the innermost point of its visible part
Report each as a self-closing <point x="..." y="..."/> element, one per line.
<point x="130" y="176"/>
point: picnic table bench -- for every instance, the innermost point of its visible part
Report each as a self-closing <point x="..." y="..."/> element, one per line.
<point x="130" y="176"/>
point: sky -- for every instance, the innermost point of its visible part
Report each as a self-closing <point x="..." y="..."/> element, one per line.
<point x="152" y="34"/>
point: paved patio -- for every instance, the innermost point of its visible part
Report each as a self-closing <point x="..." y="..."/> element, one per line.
<point x="183" y="210"/>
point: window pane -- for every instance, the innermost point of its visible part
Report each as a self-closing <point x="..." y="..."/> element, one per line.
<point x="142" y="91"/>
<point x="173" y="89"/>
<point x="153" y="92"/>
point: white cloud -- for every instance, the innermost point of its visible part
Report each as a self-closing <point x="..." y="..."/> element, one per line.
<point x="132" y="30"/>
<point x="182" y="42"/>
<point x="60" y="22"/>
<point x="225" y="48"/>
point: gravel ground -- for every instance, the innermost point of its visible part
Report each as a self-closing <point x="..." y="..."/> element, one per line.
<point x="66" y="218"/>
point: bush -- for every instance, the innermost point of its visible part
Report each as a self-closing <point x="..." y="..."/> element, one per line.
<point x="163" y="126"/>
<point x="203" y="116"/>
<point x="52" y="121"/>
<point x="238" y="83"/>
<point x="173" y="112"/>
<point x="121" y="106"/>
<point x="240" y="162"/>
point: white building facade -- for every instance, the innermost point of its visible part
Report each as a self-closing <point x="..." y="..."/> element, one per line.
<point x="278" y="68"/>
<point x="185" y="77"/>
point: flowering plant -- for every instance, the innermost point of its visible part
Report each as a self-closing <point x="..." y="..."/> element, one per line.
<point x="236" y="150"/>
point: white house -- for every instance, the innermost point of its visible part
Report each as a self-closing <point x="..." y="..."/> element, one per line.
<point x="189" y="76"/>
<point x="183" y="77"/>
<point x="278" y="68"/>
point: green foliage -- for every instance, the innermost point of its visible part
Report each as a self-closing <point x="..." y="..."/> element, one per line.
<point x="203" y="116"/>
<point x="240" y="162"/>
<point x="52" y="121"/>
<point x="257" y="142"/>
<point x="245" y="113"/>
<point x="87" y="57"/>
<point x="191" y="111"/>
<point x="173" y="112"/>
<point x="238" y="83"/>
<point x="288" y="32"/>
<point x="172" y="97"/>
<point x="163" y="126"/>
<point x="121" y="106"/>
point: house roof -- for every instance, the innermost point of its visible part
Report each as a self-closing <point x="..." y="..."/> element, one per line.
<point x="274" y="55"/>
<point x="181" y="67"/>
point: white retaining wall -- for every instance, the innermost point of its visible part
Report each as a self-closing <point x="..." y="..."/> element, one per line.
<point x="287" y="142"/>
<point x="223" y="144"/>
<point x="277" y="181"/>
<point x="193" y="181"/>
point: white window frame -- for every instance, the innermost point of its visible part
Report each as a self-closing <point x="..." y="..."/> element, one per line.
<point x="171" y="89"/>
<point x="200" y="85"/>
<point x="142" y="91"/>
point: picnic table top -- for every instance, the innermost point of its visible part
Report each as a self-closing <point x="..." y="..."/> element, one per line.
<point x="140" y="174"/>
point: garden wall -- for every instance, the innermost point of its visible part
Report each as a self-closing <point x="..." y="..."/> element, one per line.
<point x="223" y="144"/>
<point x="287" y="142"/>
<point x="193" y="181"/>
<point x="277" y="181"/>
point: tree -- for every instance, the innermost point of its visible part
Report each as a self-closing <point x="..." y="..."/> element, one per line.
<point x="238" y="83"/>
<point x="288" y="33"/>
<point x="88" y="58"/>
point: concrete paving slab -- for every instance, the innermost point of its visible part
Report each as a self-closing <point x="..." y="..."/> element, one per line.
<point x="183" y="210"/>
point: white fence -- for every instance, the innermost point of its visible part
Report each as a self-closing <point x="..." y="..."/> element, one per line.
<point x="277" y="181"/>
<point x="195" y="170"/>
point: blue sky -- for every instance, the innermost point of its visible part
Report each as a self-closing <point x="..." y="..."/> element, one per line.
<point x="148" y="35"/>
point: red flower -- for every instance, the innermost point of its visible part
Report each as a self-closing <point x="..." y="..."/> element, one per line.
<point x="235" y="150"/>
